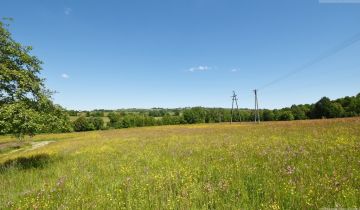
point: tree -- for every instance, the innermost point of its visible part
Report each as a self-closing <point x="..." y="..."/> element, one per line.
<point x="299" y="112"/>
<point x="114" y="118"/>
<point x="268" y="115"/>
<point x="72" y="113"/>
<point x="195" y="115"/>
<point x="336" y="110"/>
<point x="246" y="115"/>
<point x="98" y="123"/>
<point x="25" y="103"/>
<point x="355" y="105"/>
<point x="286" y="115"/>
<point x="97" y="114"/>
<point x="328" y="109"/>
<point x="83" y="124"/>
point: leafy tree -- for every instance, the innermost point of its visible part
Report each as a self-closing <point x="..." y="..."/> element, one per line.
<point x="72" y="113"/>
<point x="355" y="105"/>
<point x="268" y="115"/>
<point x="157" y="112"/>
<point x="321" y="108"/>
<point x="328" y="109"/>
<point x="246" y="115"/>
<point x="286" y="115"/>
<point x="298" y="112"/>
<point x="176" y="112"/>
<point x="167" y="119"/>
<point x="212" y="115"/>
<point x="87" y="114"/>
<point x="98" y="123"/>
<point x="18" y="120"/>
<point x="83" y="124"/>
<point x="195" y="115"/>
<point x="336" y="110"/>
<point x="114" y="118"/>
<point x="351" y="105"/>
<point x="97" y="114"/>
<point x="25" y="103"/>
<point x="127" y="122"/>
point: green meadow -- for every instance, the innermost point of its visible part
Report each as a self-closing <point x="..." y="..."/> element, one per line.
<point x="273" y="165"/>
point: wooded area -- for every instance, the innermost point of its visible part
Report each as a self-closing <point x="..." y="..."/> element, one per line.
<point x="324" y="108"/>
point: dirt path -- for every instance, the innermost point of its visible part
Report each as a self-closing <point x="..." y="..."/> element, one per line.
<point x="34" y="145"/>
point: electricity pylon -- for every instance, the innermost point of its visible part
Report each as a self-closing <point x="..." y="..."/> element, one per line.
<point x="234" y="100"/>
<point x="256" y="111"/>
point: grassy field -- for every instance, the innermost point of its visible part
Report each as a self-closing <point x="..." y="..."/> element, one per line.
<point x="277" y="165"/>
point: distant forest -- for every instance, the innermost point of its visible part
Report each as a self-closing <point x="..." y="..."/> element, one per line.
<point x="126" y="118"/>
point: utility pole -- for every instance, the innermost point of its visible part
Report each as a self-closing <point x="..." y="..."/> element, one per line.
<point x="256" y="111"/>
<point x="234" y="100"/>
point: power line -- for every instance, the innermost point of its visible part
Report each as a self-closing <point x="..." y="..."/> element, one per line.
<point x="256" y="111"/>
<point x="343" y="45"/>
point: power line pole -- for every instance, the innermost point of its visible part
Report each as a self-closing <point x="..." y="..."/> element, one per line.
<point x="257" y="111"/>
<point x="234" y="100"/>
<point x="237" y="108"/>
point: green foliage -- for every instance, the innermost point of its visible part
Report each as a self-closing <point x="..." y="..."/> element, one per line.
<point x="195" y="115"/>
<point x="72" y="113"/>
<point x="299" y="112"/>
<point x="157" y="112"/>
<point x="19" y="80"/>
<point x="268" y="115"/>
<point x="97" y="114"/>
<point x="20" y="119"/>
<point x="17" y="119"/>
<point x="25" y="105"/>
<point x="325" y="108"/>
<point x="114" y="118"/>
<point x="286" y="116"/>
<point x="83" y="124"/>
<point x="88" y="123"/>
<point x="98" y="123"/>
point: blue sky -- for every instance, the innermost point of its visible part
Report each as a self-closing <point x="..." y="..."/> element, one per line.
<point x="179" y="53"/>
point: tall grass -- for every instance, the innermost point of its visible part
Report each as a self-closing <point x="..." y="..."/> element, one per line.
<point x="279" y="165"/>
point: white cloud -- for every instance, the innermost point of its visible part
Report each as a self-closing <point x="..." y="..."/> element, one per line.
<point x="65" y="76"/>
<point x="67" y="11"/>
<point x="234" y="70"/>
<point x="199" y="68"/>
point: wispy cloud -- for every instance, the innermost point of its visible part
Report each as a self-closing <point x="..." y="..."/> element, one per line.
<point x="234" y="70"/>
<point x="199" y="68"/>
<point x="64" y="76"/>
<point x="67" y="11"/>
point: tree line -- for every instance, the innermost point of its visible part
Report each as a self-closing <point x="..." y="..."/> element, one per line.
<point x="324" y="108"/>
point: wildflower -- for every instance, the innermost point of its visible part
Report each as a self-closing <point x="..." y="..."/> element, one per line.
<point x="290" y="170"/>
<point x="61" y="182"/>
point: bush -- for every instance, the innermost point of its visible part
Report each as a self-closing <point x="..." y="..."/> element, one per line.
<point x="195" y="115"/>
<point x="268" y="115"/>
<point x="286" y="116"/>
<point x="98" y="122"/>
<point x="83" y="124"/>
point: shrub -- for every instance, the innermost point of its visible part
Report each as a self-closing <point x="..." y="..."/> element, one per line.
<point x="286" y="116"/>
<point x="83" y="124"/>
<point x="98" y="122"/>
